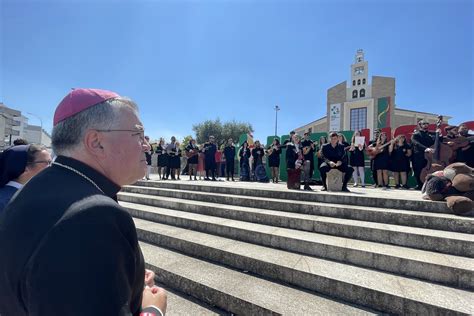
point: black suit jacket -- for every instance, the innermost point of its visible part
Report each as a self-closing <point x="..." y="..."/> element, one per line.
<point x="67" y="248"/>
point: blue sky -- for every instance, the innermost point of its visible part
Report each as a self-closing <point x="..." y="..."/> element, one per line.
<point x="187" y="61"/>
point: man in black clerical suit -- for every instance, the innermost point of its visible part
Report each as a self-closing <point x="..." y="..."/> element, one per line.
<point x="229" y="153"/>
<point x="333" y="154"/>
<point x="67" y="247"/>
<point x="210" y="149"/>
<point x="421" y="141"/>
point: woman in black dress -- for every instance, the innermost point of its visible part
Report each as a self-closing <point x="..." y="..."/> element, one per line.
<point x="174" y="162"/>
<point x="400" y="152"/>
<point x="274" y="152"/>
<point x="244" y="156"/>
<point x="162" y="157"/>
<point x="257" y="155"/>
<point x="357" y="160"/>
<point x="382" y="160"/>
<point x="322" y="140"/>
<point x="192" y="152"/>
<point x="341" y="139"/>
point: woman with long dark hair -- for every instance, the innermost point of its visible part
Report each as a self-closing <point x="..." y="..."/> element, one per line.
<point x="400" y="152"/>
<point x="244" y="156"/>
<point x="322" y="140"/>
<point x="381" y="160"/>
<point x="274" y="152"/>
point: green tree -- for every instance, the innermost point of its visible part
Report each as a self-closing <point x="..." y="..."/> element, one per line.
<point x="222" y="132"/>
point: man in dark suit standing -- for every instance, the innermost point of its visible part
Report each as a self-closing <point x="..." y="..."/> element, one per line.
<point x="68" y="247"/>
<point x="210" y="149"/>
<point x="421" y="141"/>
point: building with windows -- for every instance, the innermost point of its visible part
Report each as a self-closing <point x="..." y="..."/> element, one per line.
<point x="14" y="125"/>
<point x="364" y="104"/>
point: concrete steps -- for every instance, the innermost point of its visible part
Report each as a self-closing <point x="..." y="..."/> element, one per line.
<point x="427" y="239"/>
<point x="445" y="269"/>
<point x="184" y="305"/>
<point x="237" y="292"/>
<point x="411" y="260"/>
<point x="382" y="291"/>
<point x="399" y="216"/>
<point x="391" y="199"/>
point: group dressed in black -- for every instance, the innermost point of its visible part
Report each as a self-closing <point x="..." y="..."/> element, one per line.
<point x="396" y="155"/>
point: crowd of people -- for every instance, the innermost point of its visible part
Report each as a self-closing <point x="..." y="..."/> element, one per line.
<point x="397" y="156"/>
<point x="60" y="217"/>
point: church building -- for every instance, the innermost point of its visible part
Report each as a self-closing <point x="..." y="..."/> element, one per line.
<point x="364" y="104"/>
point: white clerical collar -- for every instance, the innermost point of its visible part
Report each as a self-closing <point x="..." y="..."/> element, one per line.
<point x="15" y="184"/>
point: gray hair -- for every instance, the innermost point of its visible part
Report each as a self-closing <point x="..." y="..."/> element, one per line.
<point x="68" y="134"/>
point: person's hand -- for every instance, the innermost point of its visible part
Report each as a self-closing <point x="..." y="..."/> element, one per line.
<point x="149" y="278"/>
<point x="429" y="150"/>
<point x="338" y="163"/>
<point x="155" y="296"/>
<point x="332" y="164"/>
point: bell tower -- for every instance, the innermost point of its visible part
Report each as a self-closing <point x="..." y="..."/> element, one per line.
<point x="359" y="77"/>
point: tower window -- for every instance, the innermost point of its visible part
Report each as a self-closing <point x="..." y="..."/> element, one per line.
<point x="358" y="82"/>
<point x="354" y="94"/>
<point x="363" y="81"/>
<point x="358" y="119"/>
<point x="362" y="93"/>
<point x="353" y="82"/>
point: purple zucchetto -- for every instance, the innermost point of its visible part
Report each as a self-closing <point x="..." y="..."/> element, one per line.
<point x="79" y="100"/>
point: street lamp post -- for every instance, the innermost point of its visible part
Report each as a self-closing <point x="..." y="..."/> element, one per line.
<point x="277" y="108"/>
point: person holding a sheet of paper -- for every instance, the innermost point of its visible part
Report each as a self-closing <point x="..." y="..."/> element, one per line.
<point x="357" y="160"/>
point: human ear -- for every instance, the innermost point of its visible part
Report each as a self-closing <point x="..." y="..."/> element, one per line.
<point x="92" y="143"/>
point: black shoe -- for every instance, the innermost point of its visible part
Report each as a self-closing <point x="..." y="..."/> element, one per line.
<point x="214" y="179"/>
<point x="195" y="179"/>
<point x="397" y="186"/>
<point x="345" y="189"/>
<point x="207" y="179"/>
<point x="406" y="186"/>
<point x="233" y="179"/>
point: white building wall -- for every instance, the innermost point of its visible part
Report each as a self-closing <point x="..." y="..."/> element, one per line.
<point x="2" y="131"/>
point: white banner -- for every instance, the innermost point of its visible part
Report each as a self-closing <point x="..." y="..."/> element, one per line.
<point x="335" y="117"/>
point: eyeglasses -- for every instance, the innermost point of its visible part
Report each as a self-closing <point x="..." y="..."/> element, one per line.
<point x="49" y="162"/>
<point x="139" y="131"/>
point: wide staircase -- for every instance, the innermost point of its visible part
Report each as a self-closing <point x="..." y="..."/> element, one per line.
<point x="252" y="249"/>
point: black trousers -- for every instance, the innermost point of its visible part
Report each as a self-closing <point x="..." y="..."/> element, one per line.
<point x="374" y="172"/>
<point x="419" y="162"/>
<point x="229" y="168"/>
<point x="212" y="172"/>
<point x="325" y="168"/>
